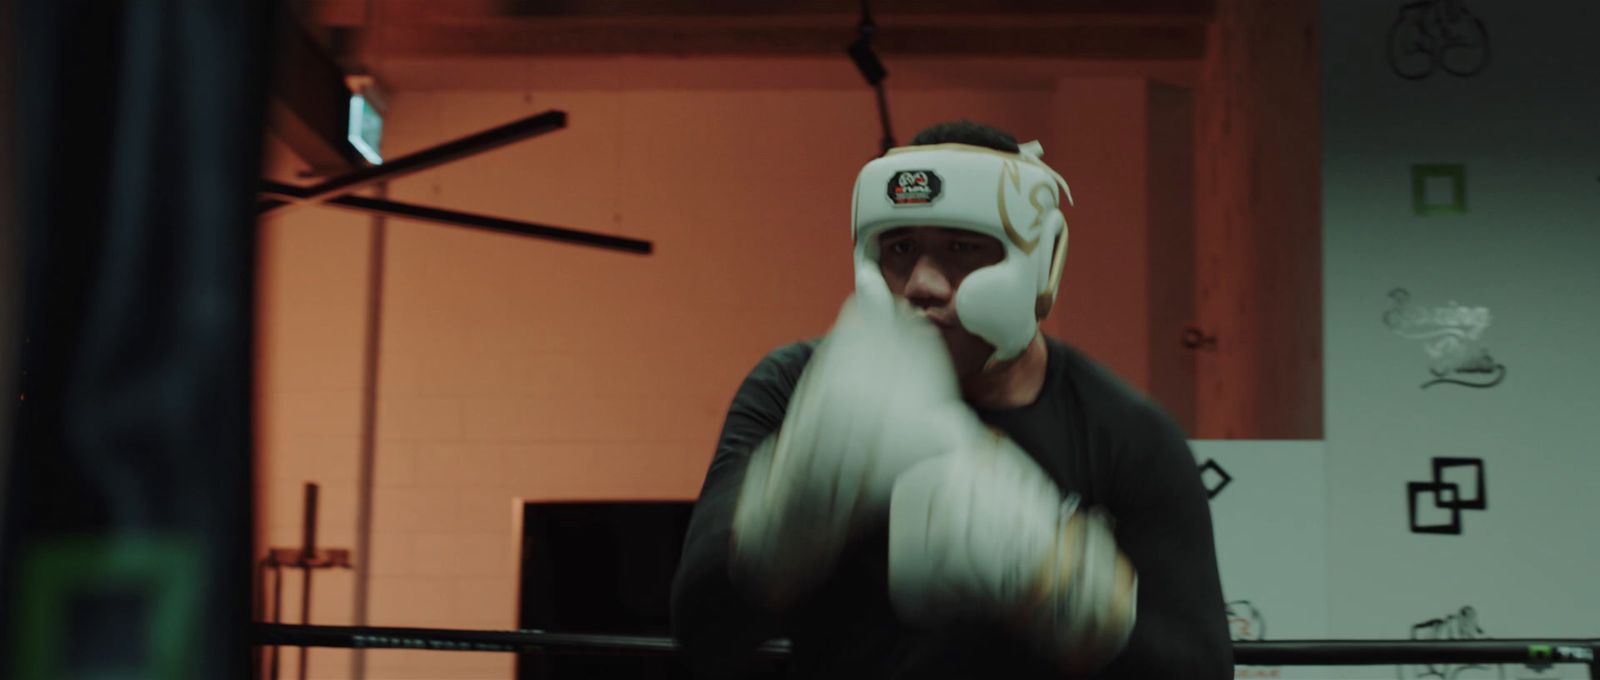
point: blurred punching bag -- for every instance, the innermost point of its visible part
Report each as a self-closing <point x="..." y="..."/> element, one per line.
<point x="126" y="522"/>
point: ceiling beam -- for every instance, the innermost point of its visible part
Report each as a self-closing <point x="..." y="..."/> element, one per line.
<point x="308" y="100"/>
<point x="432" y="12"/>
<point x="1113" y="41"/>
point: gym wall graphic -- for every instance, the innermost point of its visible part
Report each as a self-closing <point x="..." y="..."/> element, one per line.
<point x="1458" y="191"/>
<point x="1462" y="624"/>
<point x="1245" y="620"/>
<point x="1450" y="336"/>
<point x="1268" y="503"/>
<point x="1246" y="623"/>
<point x="1434" y="36"/>
<point x="1214" y="478"/>
<point x="1435" y="506"/>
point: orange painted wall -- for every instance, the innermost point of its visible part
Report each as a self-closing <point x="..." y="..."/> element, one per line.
<point x="1259" y="223"/>
<point x="517" y="369"/>
<point x="1101" y="152"/>
<point x="1126" y="146"/>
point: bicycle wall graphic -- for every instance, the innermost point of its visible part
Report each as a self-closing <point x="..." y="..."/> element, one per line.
<point x="1429" y="35"/>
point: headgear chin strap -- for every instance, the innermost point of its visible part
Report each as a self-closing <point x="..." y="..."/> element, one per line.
<point x="1013" y="197"/>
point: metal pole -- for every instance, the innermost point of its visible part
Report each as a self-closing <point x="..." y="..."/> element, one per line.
<point x="257" y="654"/>
<point x="307" y="556"/>
<point x="377" y="248"/>
<point x="277" y="610"/>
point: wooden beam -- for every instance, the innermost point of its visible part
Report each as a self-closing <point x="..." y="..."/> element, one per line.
<point x="435" y="12"/>
<point x="309" y="102"/>
<point x="849" y="7"/>
<point x="1116" y="41"/>
<point x="1258" y="218"/>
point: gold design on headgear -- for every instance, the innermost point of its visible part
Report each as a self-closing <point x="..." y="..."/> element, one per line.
<point x="1010" y="170"/>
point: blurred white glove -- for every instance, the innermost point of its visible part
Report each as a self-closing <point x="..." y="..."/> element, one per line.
<point x="985" y="534"/>
<point x="879" y="394"/>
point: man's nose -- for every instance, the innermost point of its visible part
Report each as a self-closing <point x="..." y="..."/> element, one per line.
<point x="928" y="286"/>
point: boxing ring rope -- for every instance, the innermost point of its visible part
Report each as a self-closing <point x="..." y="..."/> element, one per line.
<point x="1533" y="652"/>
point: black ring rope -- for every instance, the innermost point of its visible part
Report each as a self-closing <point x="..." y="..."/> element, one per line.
<point x="1264" y="653"/>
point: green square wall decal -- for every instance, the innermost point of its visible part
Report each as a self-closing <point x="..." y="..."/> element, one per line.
<point x="1439" y="189"/>
<point x="160" y="574"/>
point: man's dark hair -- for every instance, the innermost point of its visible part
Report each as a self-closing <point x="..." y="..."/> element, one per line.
<point x="966" y="132"/>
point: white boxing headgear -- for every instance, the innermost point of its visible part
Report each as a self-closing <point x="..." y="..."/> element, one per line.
<point x="1013" y="197"/>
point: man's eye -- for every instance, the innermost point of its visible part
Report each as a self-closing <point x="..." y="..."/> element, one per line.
<point x="965" y="246"/>
<point x="898" y="247"/>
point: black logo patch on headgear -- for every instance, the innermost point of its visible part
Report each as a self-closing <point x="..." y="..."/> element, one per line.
<point x="914" y="187"/>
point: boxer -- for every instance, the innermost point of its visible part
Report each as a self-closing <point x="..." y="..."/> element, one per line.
<point x="934" y="487"/>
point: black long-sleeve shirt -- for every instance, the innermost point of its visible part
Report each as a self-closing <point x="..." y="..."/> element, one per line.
<point x="1092" y="433"/>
